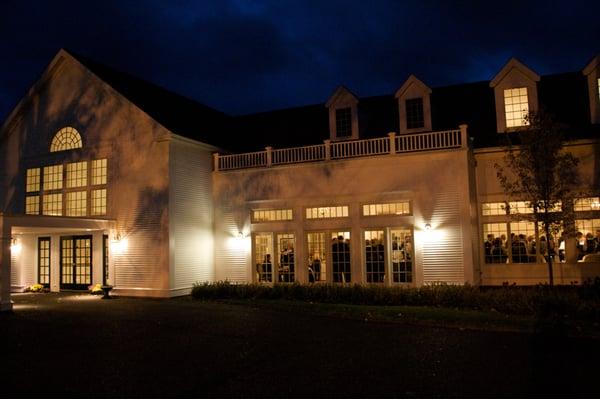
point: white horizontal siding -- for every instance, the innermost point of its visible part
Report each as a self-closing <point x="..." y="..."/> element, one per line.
<point x="231" y="252"/>
<point x="191" y="215"/>
<point x="443" y="256"/>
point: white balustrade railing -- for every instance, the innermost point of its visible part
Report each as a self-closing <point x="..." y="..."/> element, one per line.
<point x="428" y="141"/>
<point x="394" y="144"/>
<point x="242" y="161"/>
<point x="360" y="148"/>
<point x="299" y="154"/>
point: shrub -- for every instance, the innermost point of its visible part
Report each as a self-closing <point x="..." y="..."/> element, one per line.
<point x="544" y="301"/>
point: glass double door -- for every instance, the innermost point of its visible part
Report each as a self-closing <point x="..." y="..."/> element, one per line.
<point x="388" y="255"/>
<point x="75" y="262"/>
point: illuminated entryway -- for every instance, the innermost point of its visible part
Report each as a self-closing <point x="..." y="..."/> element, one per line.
<point x="75" y="262"/>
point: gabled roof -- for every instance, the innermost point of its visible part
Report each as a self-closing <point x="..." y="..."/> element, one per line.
<point x="412" y="79"/>
<point x="175" y="112"/>
<point x="514" y="63"/>
<point x="340" y="93"/>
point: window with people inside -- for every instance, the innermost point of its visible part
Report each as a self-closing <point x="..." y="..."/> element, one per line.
<point x="515" y="241"/>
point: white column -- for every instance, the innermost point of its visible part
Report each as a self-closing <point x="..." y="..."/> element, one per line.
<point x="5" y="230"/>
<point x="392" y="136"/>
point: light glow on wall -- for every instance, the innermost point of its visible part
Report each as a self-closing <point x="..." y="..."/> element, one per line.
<point x="119" y="245"/>
<point x="15" y="246"/>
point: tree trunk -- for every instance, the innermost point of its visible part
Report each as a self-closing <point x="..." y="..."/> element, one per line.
<point x="548" y="257"/>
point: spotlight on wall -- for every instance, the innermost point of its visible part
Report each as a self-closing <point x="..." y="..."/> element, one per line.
<point x="427" y="227"/>
<point x="15" y="246"/>
<point x="118" y="245"/>
<point x="240" y="235"/>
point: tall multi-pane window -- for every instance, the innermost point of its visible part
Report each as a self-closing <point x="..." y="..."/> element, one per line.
<point x="340" y="257"/>
<point x="317" y="257"/>
<point x="286" y="244"/>
<point x="414" y="113"/>
<point x="44" y="261"/>
<point x="495" y="242"/>
<point x="523" y="241"/>
<point x="343" y="122"/>
<point x="98" y="202"/>
<point x="516" y="107"/>
<point x="77" y="203"/>
<point x="263" y="257"/>
<point x="33" y="180"/>
<point x="402" y="256"/>
<point x="375" y="256"/>
<point x="52" y="204"/>
<point x="53" y="177"/>
<point x="599" y="88"/>
<point x="99" y="171"/>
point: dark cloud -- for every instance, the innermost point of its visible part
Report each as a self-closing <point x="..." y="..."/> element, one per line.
<point x="241" y="56"/>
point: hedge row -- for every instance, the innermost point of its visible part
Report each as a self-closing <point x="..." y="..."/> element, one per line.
<point x="572" y="301"/>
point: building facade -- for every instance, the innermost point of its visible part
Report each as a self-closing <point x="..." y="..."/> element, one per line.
<point x="108" y="179"/>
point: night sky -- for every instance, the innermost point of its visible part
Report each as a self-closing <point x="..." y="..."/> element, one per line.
<point x="242" y="57"/>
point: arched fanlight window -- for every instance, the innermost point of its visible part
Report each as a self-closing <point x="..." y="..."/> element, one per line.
<point x="66" y="138"/>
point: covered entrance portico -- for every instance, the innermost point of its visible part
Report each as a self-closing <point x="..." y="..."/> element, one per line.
<point x="58" y="252"/>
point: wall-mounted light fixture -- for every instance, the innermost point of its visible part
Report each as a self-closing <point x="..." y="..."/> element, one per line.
<point x="119" y="245"/>
<point x="15" y="246"/>
<point x="427" y="227"/>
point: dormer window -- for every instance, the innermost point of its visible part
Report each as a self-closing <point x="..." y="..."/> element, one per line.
<point x="414" y="106"/>
<point x="516" y="107"/>
<point x="343" y="122"/>
<point x="415" y="118"/>
<point x="343" y="115"/>
<point x="515" y="94"/>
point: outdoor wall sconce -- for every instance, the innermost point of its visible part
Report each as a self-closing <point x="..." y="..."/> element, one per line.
<point x="119" y="245"/>
<point x="15" y="246"/>
<point x="427" y="227"/>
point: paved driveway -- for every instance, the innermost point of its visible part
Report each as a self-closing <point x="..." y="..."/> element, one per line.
<point x="80" y="345"/>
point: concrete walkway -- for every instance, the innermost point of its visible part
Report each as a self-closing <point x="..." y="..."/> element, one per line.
<point x="80" y="345"/>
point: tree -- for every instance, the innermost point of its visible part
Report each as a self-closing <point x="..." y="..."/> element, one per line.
<point x="539" y="171"/>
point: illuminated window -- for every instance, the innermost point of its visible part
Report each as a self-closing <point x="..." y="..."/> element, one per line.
<point x="343" y="122"/>
<point x="77" y="203"/>
<point x="587" y="226"/>
<point x="98" y="206"/>
<point x="375" y="256"/>
<point x="317" y="257"/>
<point x="67" y="138"/>
<point x="99" y="171"/>
<point x="598" y="88"/>
<point x="402" y="256"/>
<point x="519" y="207"/>
<point x="495" y="242"/>
<point x="33" y="180"/>
<point x="52" y="204"/>
<point x="327" y="212"/>
<point x="53" y="177"/>
<point x="271" y="215"/>
<point x="77" y="174"/>
<point x="516" y="107"/>
<point x="587" y="204"/>
<point x="396" y="208"/>
<point x="286" y="267"/>
<point x="263" y="257"/>
<point x="493" y="208"/>
<point x="44" y="261"/>
<point x="32" y="205"/>
<point x="414" y="113"/>
<point x="340" y="257"/>
<point x="523" y="242"/>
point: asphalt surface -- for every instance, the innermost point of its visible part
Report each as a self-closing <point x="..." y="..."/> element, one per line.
<point x="79" y="345"/>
